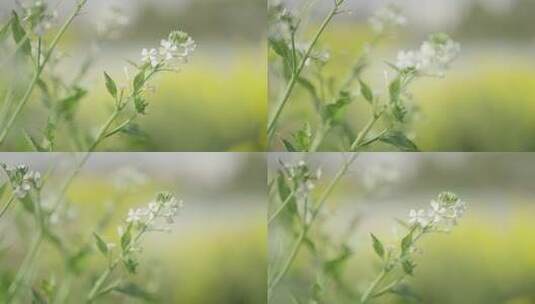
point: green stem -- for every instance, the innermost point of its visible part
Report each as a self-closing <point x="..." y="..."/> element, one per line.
<point x="93" y="294"/>
<point x="7" y="205"/>
<point x="295" y="77"/>
<point x="281" y="207"/>
<point x="367" y="295"/>
<point x="25" y="268"/>
<point x="40" y="70"/>
<point x="362" y="135"/>
<point x="291" y="258"/>
<point x="103" y="131"/>
<point x="302" y="236"/>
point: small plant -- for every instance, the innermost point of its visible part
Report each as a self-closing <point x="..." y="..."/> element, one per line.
<point x="47" y="214"/>
<point x="331" y="95"/>
<point x="29" y="51"/>
<point x="296" y="223"/>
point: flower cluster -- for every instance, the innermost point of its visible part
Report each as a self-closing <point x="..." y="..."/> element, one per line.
<point x="433" y="58"/>
<point x="22" y="179"/>
<point x="444" y="211"/>
<point x="302" y="177"/>
<point x="129" y="178"/>
<point x="387" y="17"/>
<point x="174" y="50"/>
<point x="380" y="174"/>
<point x="38" y="16"/>
<point x="113" y="23"/>
<point x="165" y="207"/>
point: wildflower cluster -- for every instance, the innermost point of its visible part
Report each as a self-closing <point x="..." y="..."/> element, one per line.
<point x="166" y="207"/>
<point x="331" y="96"/>
<point x="22" y="179"/>
<point x="444" y="212"/>
<point x="139" y="221"/>
<point x="302" y="178"/>
<point x="433" y="58"/>
<point x="173" y="51"/>
<point x="38" y="16"/>
<point x="387" y="18"/>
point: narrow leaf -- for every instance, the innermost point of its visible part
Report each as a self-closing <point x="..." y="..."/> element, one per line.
<point x="110" y="85"/>
<point x="101" y="245"/>
<point x="378" y="246"/>
<point x="366" y="91"/>
<point x="399" y="140"/>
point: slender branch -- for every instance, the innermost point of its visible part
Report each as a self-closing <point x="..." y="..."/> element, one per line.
<point x="281" y="207"/>
<point x="306" y="226"/>
<point x="7" y="205"/>
<point x="367" y="295"/>
<point x="40" y="70"/>
<point x="295" y="77"/>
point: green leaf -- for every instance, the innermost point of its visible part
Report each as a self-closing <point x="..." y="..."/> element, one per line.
<point x="126" y="238"/>
<point x="334" y="266"/>
<point x="135" y="291"/>
<point x="334" y="111"/>
<point x="284" y="192"/>
<point x="33" y="143"/>
<point x="67" y="106"/>
<point x="406" y="243"/>
<point x="37" y="297"/>
<point x="395" y="90"/>
<point x="130" y="264"/>
<point x="139" y="81"/>
<point x="366" y="91"/>
<point x="408" y="267"/>
<point x="19" y="34"/>
<point x="110" y="85"/>
<point x="101" y="245"/>
<point x="303" y="138"/>
<point x="288" y="146"/>
<point x="399" y="140"/>
<point x="5" y="30"/>
<point x="378" y="246"/>
<point x="140" y="104"/>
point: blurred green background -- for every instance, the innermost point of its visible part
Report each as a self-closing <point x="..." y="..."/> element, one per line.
<point x="216" y="103"/>
<point x="489" y="258"/>
<point x="216" y="252"/>
<point x="486" y="101"/>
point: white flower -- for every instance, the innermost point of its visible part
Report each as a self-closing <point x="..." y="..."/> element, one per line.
<point x="437" y="212"/>
<point x="433" y="57"/>
<point x="168" y="50"/>
<point x="418" y="217"/>
<point x="150" y="56"/>
<point x="387" y="17"/>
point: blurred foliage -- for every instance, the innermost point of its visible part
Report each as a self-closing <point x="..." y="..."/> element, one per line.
<point x="205" y="262"/>
<point x="209" y="106"/>
<point x="485" y="103"/>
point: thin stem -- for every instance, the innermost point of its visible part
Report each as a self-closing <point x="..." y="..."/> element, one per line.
<point x="40" y="70"/>
<point x="281" y="207"/>
<point x="25" y="268"/>
<point x="367" y="295"/>
<point x="293" y="254"/>
<point x="7" y="205"/>
<point x="295" y="77"/>
<point x="102" y="133"/>
<point x="100" y="281"/>
<point x="306" y="227"/>
<point x="362" y="135"/>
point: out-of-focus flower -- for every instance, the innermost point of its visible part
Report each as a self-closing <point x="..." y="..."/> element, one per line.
<point x="22" y="179"/>
<point x="174" y="50"/>
<point x="39" y="18"/>
<point x="386" y="18"/>
<point x="112" y="23"/>
<point x="433" y="58"/>
<point x="165" y="207"/>
<point x="444" y="212"/>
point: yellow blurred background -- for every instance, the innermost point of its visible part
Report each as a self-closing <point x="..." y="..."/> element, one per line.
<point x="215" y="252"/>
<point x="488" y="258"/>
